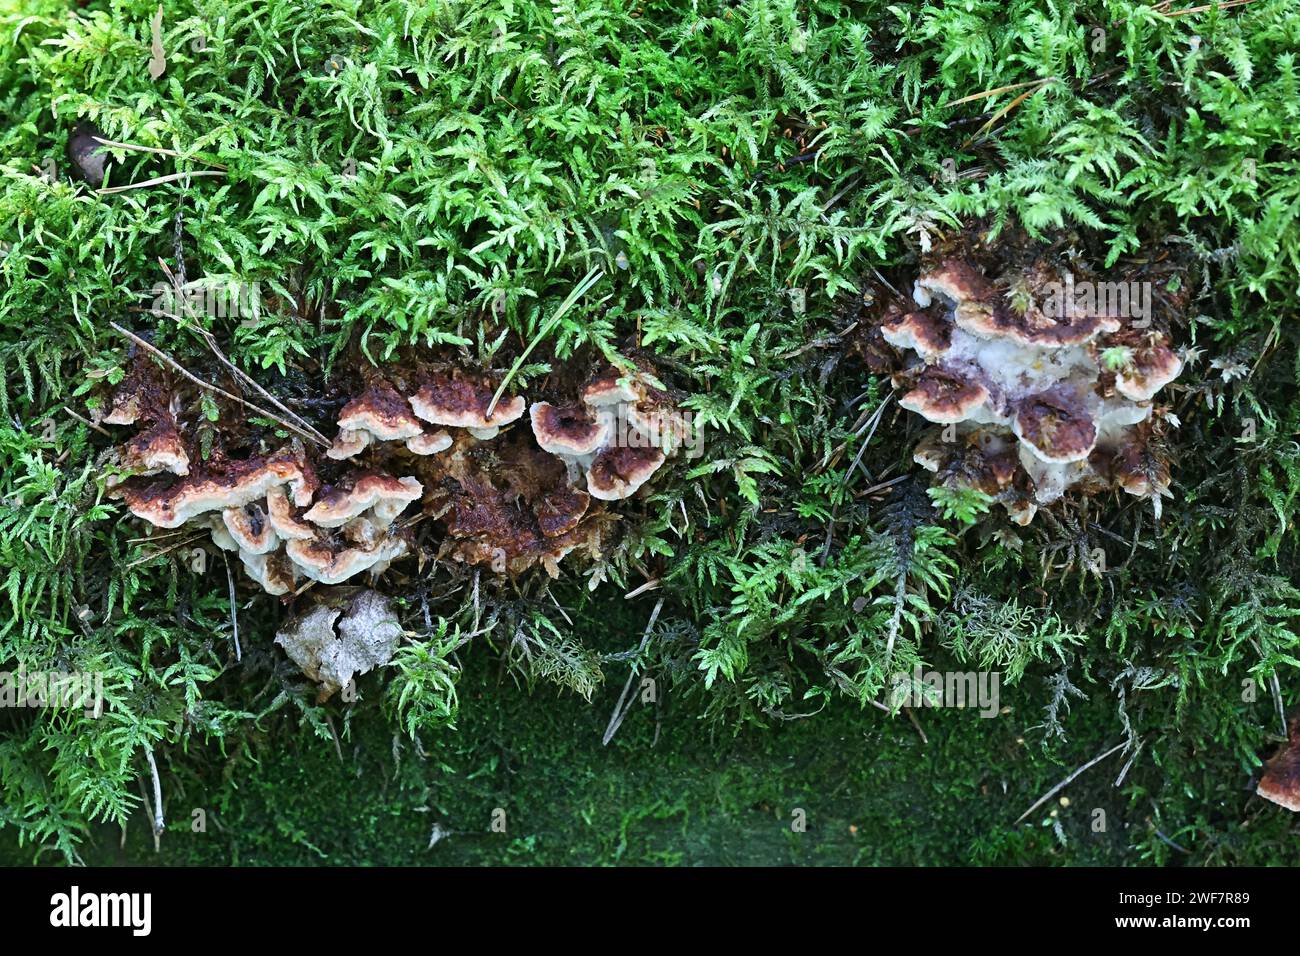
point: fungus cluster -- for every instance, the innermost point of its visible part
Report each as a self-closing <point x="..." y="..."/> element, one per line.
<point x="1032" y="392"/>
<point x="618" y="434"/>
<point x="507" y="498"/>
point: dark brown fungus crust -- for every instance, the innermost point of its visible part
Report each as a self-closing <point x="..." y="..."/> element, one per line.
<point x="560" y="511"/>
<point x="510" y="506"/>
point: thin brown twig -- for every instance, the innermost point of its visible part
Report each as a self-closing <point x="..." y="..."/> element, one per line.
<point x="978" y="134"/>
<point x="155" y="149"/>
<point x="158" y="554"/>
<point x="620" y="711"/>
<point x="234" y="607"/>
<point x="158" y="353"/>
<point x="158" y="180"/>
<point x="235" y="370"/>
<point x="1209" y="6"/>
<point x="86" y="421"/>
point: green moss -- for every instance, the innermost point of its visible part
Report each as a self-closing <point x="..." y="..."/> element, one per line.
<point x="733" y="180"/>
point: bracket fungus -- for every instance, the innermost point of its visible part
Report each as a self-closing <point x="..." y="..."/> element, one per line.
<point x="1280" y="782"/>
<point x="1035" y="387"/>
<point x="145" y="398"/>
<point x="618" y="435"/>
<point x="464" y="401"/>
<point x="413" y="438"/>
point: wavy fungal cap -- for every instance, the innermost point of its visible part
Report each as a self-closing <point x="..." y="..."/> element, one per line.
<point x="1034" y="399"/>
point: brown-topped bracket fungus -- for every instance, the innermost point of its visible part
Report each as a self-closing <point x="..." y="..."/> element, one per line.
<point x="217" y="485"/>
<point x="508" y="500"/>
<point x="570" y="431"/>
<point x="385" y="495"/>
<point x="617" y="473"/>
<point x="379" y="413"/>
<point x="332" y="563"/>
<point x="146" y="399"/>
<point x="429" y="443"/>
<point x="944" y="396"/>
<point x="1281" y="780"/>
<point x="619" y="435"/>
<point x="1036" y="385"/>
<point x="463" y="401"/>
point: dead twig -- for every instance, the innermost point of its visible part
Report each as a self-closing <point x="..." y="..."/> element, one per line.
<point x="1060" y="786"/>
<point x="154" y="149"/>
<point x="87" y="421"/>
<point x="240" y="374"/>
<point x="620" y="710"/>
<point x="158" y="180"/>
<point x="208" y="386"/>
<point x="158" y="823"/>
<point x="234" y="608"/>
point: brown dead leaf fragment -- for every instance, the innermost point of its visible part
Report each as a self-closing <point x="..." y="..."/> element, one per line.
<point x="335" y="643"/>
